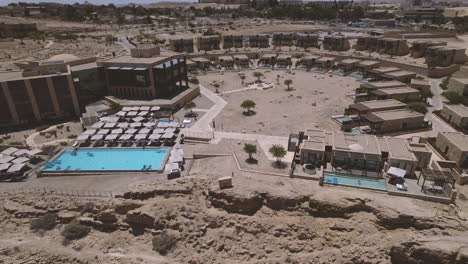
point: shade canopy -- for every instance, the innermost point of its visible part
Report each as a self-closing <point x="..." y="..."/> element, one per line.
<point x="90" y="132"/>
<point x="103" y="132"/>
<point x="97" y="137"/>
<point x="141" y="136"/>
<point x="97" y="125"/>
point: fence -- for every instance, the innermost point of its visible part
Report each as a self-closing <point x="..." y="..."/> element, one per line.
<point x="53" y="191"/>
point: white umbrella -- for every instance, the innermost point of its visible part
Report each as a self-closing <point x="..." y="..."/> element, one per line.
<point x="136" y="124"/>
<point x="169" y="130"/>
<point x="158" y="131"/>
<point x="90" y="132"/>
<point x="97" y="137"/>
<point x="21" y="152"/>
<point x="155" y="108"/>
<point x="143" y="113"/>
<point x="141" y="136"/>
<point x="132" y="113"/>
<point x="173" y="124"/>
<point x="145" y="108"/>
<point x="163" y="124"/>
<point x="82" y="137"/>
<point x="125" y="137"/>
<point x="9" y="151"/>
<point x="121" y="113"/>
<point x="155" y="136"/>
<point x="20" y="160"/>
<point x="123" y="125"/>
<point x="6" y="159"/>
<point x="111" y="137"/>
<point x="167" y="135"/>
<point x="97" y="125"/>
<point x="110" y="125"/>
<point x="138" y="119"/>
<point x="149" y="124"/>
<point x="126" y="109"/>
<point x="103" y="132"/>
<point x="144" y="131"/>
<point x="117" y="131"/>
<point x="130" y="131"/>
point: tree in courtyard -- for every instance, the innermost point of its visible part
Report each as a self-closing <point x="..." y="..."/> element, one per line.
<point x="426" y="93"/>
<point x="445" y="82"/>
<point x="189" y="106"/>
<point x="250" y="149"/>
<point x="258" y="75"/>
<point x="248" y="105"/>
<point x="418" y="107"/>
<point x="453" y="97"/>
<point x="242" y="78"/>
<point x="278" y="152"/>
<point x="288" y="83"/>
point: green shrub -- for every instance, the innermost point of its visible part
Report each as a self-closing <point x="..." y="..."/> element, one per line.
<point x="16" y="143"/>
<point x="453" y="97"/>
<point x="43" y="223"/>
<point x="74" y="231"/>
<point x="194" y="80"/>
<point x="418" y="107"/>
<point x="163" y="243"/>
<point x="47" y="149"/>
<point x="63" y="143"/>
<point x="72" y="137"/>
<point x="43" y="127"/>
<point x="60" y="126"/>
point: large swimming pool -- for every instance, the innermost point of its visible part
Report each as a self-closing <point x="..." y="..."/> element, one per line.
<point x="107" y="159"/>
<point x="354" y="180"/>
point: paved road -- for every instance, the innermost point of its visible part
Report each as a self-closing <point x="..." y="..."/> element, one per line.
<point x="123" y="41"/>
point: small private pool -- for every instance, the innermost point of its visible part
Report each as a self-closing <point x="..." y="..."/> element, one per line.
<point x="109" y="159"/>
<point x="354" y="180"/>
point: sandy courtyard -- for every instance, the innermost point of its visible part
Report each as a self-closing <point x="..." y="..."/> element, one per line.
<point x="314" y="99"/>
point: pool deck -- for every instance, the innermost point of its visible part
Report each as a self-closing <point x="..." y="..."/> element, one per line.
<point x="94" y="172"/>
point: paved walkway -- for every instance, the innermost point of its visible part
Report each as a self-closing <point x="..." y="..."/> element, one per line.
<point x="204" y="123"/>
<point x="30" y="140"/>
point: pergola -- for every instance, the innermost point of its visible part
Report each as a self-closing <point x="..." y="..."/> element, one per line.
<point x="439" y="177"/>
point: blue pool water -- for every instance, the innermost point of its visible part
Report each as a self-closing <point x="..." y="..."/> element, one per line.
<point x="108" y="159"/>
<point x="165" y="120"/>
<point x="356" y="131"/>
<point x="342" y="119"/>
<point x="354" y="180"/>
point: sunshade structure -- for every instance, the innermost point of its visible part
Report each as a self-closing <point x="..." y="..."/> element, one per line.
<point x="34" y="152"/>
<point x="110" y="119"/>
<point x="90" y="132"/>
<point x="20" y="160"/>
<point x="123" y="125"/>
<point x="97" y="125"/>
<point x="110" y="125"/>
<point x="121" y="113"/>
<point x="173" y="124"/>
<point x="138" y="119"/>
<point x="21" y="152"/>
<point x="117" y="131"/>
<point x="16" y="168"/>
<point x="144" y="131"/>
<point x="136" y="124"/>
<point x="439" y="177"/>
<point x="176" y="159"/>
<point x="169" y="130"/>
<point x="149" y="124"/>
<point x="177" y="151"/>
<point x="131" y="131"/>
<point x="155" y="108"/>
<point x="97" y="137"/>
<point x="83" y="138"/>
<point x="4" y="166"/>
<point x="9" y="151"/>
<point x="155" y="136"/>
<point x="125" y="137"/>
<point x="103" y="132"/>
<point x="6" y="159"/>
<point x="141" y="136"/>
<point x="145" y="108"/>
<point x="111" y="137"/>
<point x="143" y="113"/>
<point x="168" y="135"/>
<point x="132" y="113"/>
<point x="163" y="124"/>
<point x="158" y="131"/>
<point x="126" y="109"/>
<point x="397" y="172"/>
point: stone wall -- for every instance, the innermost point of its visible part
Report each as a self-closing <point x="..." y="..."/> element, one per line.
<point x="453" y="118"/>
<point x="458" y="86"/>
<point x="453" y="152"/>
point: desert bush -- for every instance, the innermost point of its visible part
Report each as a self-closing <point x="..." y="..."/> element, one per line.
<point x="163" y="243"/>
<point x="59" y="126"/>
<point x="72" y="137"/>
<point x="6" y="137"/>
<point x="194" y="80"/>
<point x="63" y="144"/>
<point x="48" y="148"/>
<point x="16" y="143"/>
<point x="43" y="223"/>
<point x="75" y="230"/>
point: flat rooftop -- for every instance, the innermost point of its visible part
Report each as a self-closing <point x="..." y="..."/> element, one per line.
<point x="383" y="84"/>
<point x="385" y="69"/>
<point x="240" y="57"/>
<point x="400" y="74"/>
<point x="398" y="148"/>
<point x="360" y="143"/>
<point x="349" y="61"/>
<point x="376" y="104"/>
<point x="461" y="80"/>
<point x="310" y="57"/>
<point x="127" y="59"/>
<point x="368" y="63"/>
<point x="458" y="139"/>
<point x="226" y="58"/>
<point x="458" y="108"/>
<point x="396" y="114"/>
<point x="395" y="90"/>
<point x="325" y="59"/>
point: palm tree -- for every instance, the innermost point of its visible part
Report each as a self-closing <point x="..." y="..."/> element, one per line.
<point x="250" y="149"/>
<point x="248" y="104"/>
<point x="288" y="83"/>
<point x="189" y="106"/>
<point x="278" y="152"/>
<point x="258" y="75"/>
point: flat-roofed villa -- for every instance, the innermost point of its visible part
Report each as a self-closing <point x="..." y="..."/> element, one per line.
<point x="419" y="47"/>
<point x="401" y="76"/>
<point x="336" y="43"/>
<point x="405" y="94"/>
<point x="226" y="61"/>
<point x="283" y="39"/>
<point x="370" y="43"/>
<point x="378" y="73"/>
<point x="456" y="115"/>
<point x="366" y="65"/>
<point x="443" y="56"/>
<point x="355" y="154"/>
<point x="370" y="86"/>
<point x="420" y="84"/>
<point x="233" y="41"/>
<point x="394" y="47"/>
<point x="207" y="43"/>
<point x="307" y="40"/>
<point x="283" y="61"/>
<point x="267" y="60"/>
<point x="324" y="63"/>
<point x="459" y="85"/>
<point x="182" y="45"/>
<point x="395" y="120"/>
<point x="242" y="61"/>
<point x="203" y="63"/>
<point x="347" y="65"/>
<point x="259" y="41"/>
<point x="366" y="107"/>
<point x="454" y="146"/>
<point x="307" y="61"/>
